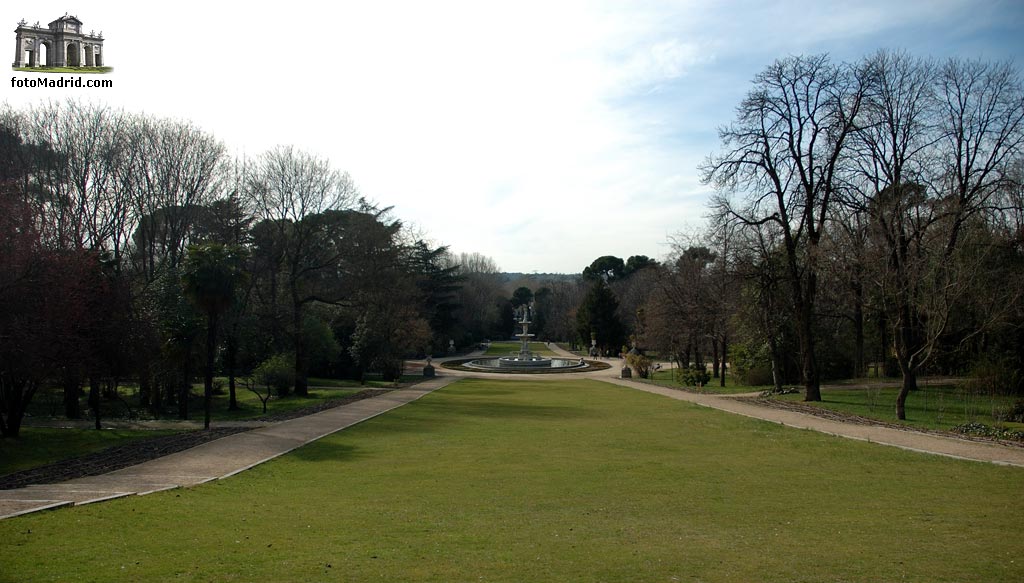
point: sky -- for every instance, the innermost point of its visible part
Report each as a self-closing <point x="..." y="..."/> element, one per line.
<point x="541" y="134"/>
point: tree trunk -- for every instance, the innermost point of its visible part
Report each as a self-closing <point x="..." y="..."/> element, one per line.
<point x="906" y="344"/>
<point x="301" y="364"/>
<point x="725" y="357"/>
<point x="15" y="395"/>
<point x="714" y="357"/>
<point x="776" y="358"/>
<point x="72" y="390"/>
<point x="156" y="398"/>
<point x="94" y="400"/>
<point x="145" y="387"/>
<point x="230" y="358"/>
<point x="211" y="351"/>
<point x="859" y="364"/>
<point x="909" y="384"/>
<point x="883" y="343"/>
<point x="185" y="388"/>
<point x="809" y="365"/>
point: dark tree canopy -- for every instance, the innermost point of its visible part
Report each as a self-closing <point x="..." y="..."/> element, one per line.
<point x="607" y="268"/>
<point x="596" y="319"/>
<point x="521" y="296"/>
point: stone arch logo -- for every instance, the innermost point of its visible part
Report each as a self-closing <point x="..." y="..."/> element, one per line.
<point x="60" y="45"/>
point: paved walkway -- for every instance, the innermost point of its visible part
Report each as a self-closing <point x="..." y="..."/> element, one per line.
<point x="214" y="460"/>
<point x="230" y="455"/>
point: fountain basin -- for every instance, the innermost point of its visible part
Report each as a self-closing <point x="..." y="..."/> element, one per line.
<point x="515" y="362"/>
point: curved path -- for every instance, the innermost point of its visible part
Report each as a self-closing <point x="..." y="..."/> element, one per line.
<point x="230" y="455"/>
<point x="902" y="438"/>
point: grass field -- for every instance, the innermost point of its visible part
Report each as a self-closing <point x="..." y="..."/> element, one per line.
<point x="505" y="348"/>
<point x="933" y="406"/>
<point x="537" y="481"/>
<point x="48" y="402"/>
<point x="666" y="377"/>
<point x="40" y="446"/>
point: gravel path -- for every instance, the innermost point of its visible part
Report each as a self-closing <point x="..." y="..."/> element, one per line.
<point x="924" y="441"/>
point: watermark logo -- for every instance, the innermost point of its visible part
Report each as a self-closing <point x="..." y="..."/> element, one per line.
<point x="60" y="47"/>
<point x="60" y="82"/>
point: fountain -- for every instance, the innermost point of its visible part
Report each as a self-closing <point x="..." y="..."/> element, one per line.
<point x="524" y="359"/>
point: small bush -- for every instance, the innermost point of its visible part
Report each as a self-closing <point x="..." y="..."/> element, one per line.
<point x="641" y="364"/>
<point x="988" y="431"/>
<point x="782" y="391"/>
<point x="757" y="376"/>
<point x="1013" y="413"/>
<point x="994" y="377"/>
<point x="276" y="372"/>
<point x="695" y="375"/>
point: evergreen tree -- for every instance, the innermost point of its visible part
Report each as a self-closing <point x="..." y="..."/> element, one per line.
<point x="596" y="318"/>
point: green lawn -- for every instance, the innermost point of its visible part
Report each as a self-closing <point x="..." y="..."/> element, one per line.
<point x="932" y="406"/>
<point x="665" y="377"/>
<point x="48" y="402"/>
<point x="505" y="348"/>
<point x="40" y="446"/>
<point x="490" y="480"/>
<point x="249" y="405"/>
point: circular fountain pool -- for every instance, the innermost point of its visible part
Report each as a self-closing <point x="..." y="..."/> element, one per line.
<point x="524" y="360"/>
<point x="511" y="363"/>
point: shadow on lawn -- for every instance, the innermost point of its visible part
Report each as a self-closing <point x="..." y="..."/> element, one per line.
<point x="439" y="415"/>
<point x="326" y="450"/>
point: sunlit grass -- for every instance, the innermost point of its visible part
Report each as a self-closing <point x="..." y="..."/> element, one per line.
<point x="490" y="480"/>
<point x="932" y="406"/>
<point x="671" y="378"/>
<point x="506" y="348"/>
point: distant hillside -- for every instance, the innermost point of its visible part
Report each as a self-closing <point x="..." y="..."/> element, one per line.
<point x="535" y="281"/>
<point x="540" y="277"/>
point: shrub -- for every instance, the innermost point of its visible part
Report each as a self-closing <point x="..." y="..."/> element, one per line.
<point x="641" y="364"/>
<point x="276" y="372"/>
<point x="994" y="377"/>
<point x="694" y="375"/>
<point x="1013" y="413"/>
<point x="989" y="431"/>
<point x="751" y="365"/>
<point x="758" y="376"/>
<point x="782" y="391"/>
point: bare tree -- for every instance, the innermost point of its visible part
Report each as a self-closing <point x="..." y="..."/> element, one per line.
<point x="172" y="170"/>
<point x="286" y="188"/>
<point x="479" y="295"/>
<point x="783" y="153"/>
<point x="931" y="158"/>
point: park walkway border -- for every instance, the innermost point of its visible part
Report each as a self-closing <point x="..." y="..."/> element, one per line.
<point x="214" y="460"/>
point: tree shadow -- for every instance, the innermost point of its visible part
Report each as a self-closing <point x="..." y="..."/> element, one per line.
<point x="326" y="450"/>
<point x="437" y="415"/>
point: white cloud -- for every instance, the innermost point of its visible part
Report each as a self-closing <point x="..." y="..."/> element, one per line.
<point x="543" y="134"/>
